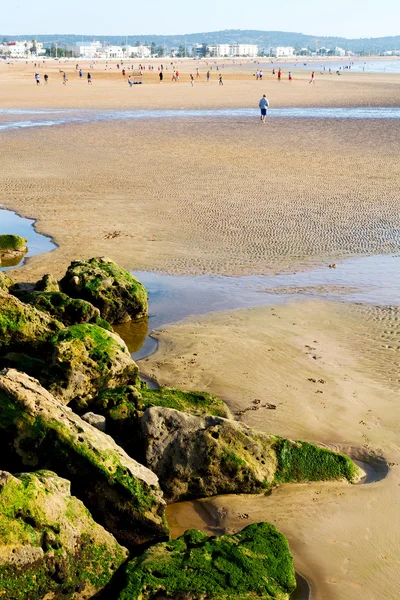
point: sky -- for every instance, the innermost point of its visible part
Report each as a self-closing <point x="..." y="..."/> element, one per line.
<point x="345" y="18"/>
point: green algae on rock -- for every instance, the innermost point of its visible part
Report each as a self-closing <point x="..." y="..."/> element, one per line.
<point x="70" y="311"/>
<point x="206" y="456"/>
<point x="22" y="325"/>
<point x="38" y="431"/>
<point x="48" y="283"/>
<point x="118" y="294"/>
<point x="254" y="563"/>
<point x="86" y="359"/>
<point x="12" y="243"/>
<point x="50" y="546"/>
<point x="5" y="282"/>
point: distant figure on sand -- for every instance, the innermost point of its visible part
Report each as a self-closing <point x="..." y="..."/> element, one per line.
<point x="279" y="75"/>
<point x="46" y="78"/>
<point x="37" y="78"/>
<point x="263" y="104"/>
<point x="208" y="76"/>
<point x="260" y="75"/>
<point x="290" y="76"/>
<point x="161" y="76"/>
<point x="89" y="78"/>
<point x="312" y="80"/>
<point x="65" y="78"/>
<point x="220" y="80"/>
<point x="80" y="73"/>
<point x="130" y="81"/>
<point x="191" y="79"/>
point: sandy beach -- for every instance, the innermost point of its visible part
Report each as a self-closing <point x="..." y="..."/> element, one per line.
<point x="229" y="196"/>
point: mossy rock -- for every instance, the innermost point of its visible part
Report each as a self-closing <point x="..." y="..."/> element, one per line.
<point x="23" y="362"/>
<point x="39" y="432"/>
<point x="70" y="311"/>
<point x="10" y="243"/>
<point x="206" y="456"/>
<point x="254" y="563"/>
<point x="48" y="283"/>
<point x="123" y="408"/>
<point x="5" y="282"/>
<point x="50" y="546"/>
<point x="85" y="360"/>
<point x="22" y="326"/>
<point x="119" y="296"/>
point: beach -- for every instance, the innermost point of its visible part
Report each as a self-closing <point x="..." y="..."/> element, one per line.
<point x="228" y="196"/>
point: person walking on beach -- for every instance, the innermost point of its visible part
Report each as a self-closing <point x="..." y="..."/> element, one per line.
<point x="46" y="78"/>
<point x="312" y="80"/>
<point x="89" y="79"/>
<point x="208" y="76"/>
<point x="220" y="80"/>
<point x="65" y="78"/>
<point x="37" y="78"/>
<point x="257" y="75"/>
<point x="263" y="104"/>
<point x="290" y="76"/>
<point x="260" y="75"/>
<point x="191" y="79"/>
<point x="130" y="81"/>
<point x="279" y="75"/>
<point x="161" y="76"/>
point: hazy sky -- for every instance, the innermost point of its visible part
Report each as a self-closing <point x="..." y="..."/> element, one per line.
<point x="348" y="18"/>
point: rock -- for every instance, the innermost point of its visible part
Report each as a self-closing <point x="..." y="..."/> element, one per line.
<point x="50" y="546"/>
<point x="97" y="421"/>
<point x="48" y="283"/>
<point x="23" y="326"/>
<point x="123" y="408"/>
<point x="206" y="456"/>
<point x="5" y="282"/>
<point x="70" y="311"/>
<point x="256" y="562"/>
<point x="37" y="431"/>
<point x="85" y="360"/>
<point x="12" y="246"/>
<point x="119" y="296"/>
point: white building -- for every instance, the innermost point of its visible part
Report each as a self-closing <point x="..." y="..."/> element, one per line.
<point x="284" y="51"/>
<point x="91" y="50"/>
<point x="232" y="50"/>
<point x="340" y="52"/>
<point x="22" y="49"/>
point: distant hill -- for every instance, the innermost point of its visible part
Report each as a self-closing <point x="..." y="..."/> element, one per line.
<point x="263" y="39"/>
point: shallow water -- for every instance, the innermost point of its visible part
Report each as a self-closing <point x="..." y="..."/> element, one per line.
<point x="10" y="222"/>
<point x="23" y="118"/>
<point x="371" y="280"/>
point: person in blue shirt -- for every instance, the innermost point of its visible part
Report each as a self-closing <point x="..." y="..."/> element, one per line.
<point x="263" y="104"/>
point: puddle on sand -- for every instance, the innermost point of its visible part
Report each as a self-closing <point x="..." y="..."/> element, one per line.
<point x="371" y="280"/>
<point x="10" y="222"/>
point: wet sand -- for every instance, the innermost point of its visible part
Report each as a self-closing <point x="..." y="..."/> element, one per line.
<point x="332" y="370"/>
<point x="226" y="196"/>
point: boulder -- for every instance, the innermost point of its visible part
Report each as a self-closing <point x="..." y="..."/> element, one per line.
<point x="85" y="360"/>
<point x="97" y="421"/>
<point x="124" y="407"/>
<point x="38" y="431"/>
<point x="12" y="246"/>
<point x="119" y="296"/>
<point x="254" y="563"/>
<point x="50" y="546"/>
<point x="69" y="311"/>
<point x="23" y="326"/>
<point x="205" y="456"/>
<point x="48" y="283"/>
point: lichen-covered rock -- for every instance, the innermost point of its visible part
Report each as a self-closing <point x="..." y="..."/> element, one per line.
<point x="254" y="563"/>
<point x="123" y="408"/>
<point x="97" y="421"/>
<point x="119" y="296"/>
<point x="37" y="431"/>
<point x="70" y="311"/>
<point x="50" y="546"/>
<point x="85" y="360"/>
<point x="206" y="456"/>
<point x="5" y="282"/>
<point x="48" y="283"/>
<point x="23" y="326"/>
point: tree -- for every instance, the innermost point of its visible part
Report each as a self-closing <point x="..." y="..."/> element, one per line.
<point x="159" y="51"/>
<point x="33" y="48"/>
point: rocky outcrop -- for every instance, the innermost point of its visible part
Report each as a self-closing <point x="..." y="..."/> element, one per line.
<point x="50" y="546"/>
<point x="124" y="407"/>
<point x="37" y="431"/>
<point x="48" y="283"/>
<point x="97" y="421"/>
<point x="23" y="326"/>
<point x="12" y="247"/>
<point x="86" y="359"/>
<point x="254" y="563"/>
<point x="119" y="296"/>
<point x="206" y="456"/>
